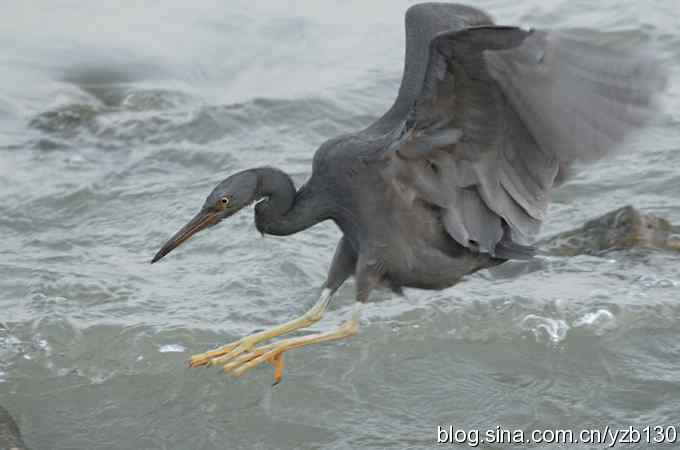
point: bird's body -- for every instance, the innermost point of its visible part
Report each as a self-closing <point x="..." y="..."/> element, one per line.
<point x="403" y="240"/>
<point x="457" y="175"/>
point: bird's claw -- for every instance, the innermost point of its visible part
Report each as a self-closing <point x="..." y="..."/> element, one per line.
<point x="244" y="347"/>
<point x="277" y="362"/>
<point x="241" y="356"/>
<point x="222" y="354"/>
<point x="252" y="359"/>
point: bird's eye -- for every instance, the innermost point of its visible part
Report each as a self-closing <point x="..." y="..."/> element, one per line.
<point x="225" y="201"/>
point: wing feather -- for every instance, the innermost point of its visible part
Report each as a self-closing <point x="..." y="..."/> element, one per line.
<point x="503" y="112"/>
<point x="579" y="92"/>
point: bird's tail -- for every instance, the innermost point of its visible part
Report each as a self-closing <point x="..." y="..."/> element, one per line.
<point x="507" y="249"/>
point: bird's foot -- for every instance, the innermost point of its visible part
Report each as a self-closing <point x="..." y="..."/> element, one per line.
<point x="241" y="356"/>
<point x="230" y="351"/>
<point x="226" y="352"/>
<point x="273" y="353"/>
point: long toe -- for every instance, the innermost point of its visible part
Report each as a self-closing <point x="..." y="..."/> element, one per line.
<point x="203" y="359"/>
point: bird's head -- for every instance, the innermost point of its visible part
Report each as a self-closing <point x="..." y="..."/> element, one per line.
<point x="228" y="197"/>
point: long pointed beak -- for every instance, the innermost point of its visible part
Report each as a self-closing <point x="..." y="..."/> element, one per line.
<point x="201" y="221"/>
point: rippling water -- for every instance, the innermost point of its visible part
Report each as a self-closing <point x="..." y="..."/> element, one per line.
<point x="115" y="123"/>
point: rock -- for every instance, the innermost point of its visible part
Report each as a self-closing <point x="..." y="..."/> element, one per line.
<point x="67" y="120"/>
<point x="10" y="436"/>
<point x="622" y="228"/>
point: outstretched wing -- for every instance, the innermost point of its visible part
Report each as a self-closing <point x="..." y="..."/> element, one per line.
<point x="501" y="111"/>
<point x="424" y="22"/>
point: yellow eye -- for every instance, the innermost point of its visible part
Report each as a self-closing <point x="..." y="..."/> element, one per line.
<point x="225" y="201"/>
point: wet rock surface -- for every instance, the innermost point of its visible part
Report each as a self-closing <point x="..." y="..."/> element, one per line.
<point x="623" y="228"/>
<point x="10" y="436"/>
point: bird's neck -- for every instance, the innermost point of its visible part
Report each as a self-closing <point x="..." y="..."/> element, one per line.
<point x="285" y="211"/>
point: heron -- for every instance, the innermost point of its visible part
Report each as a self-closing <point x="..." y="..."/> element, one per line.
<point x="457" y="175"/>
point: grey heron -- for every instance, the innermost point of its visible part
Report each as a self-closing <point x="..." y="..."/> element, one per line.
<point x="456" y="176"/>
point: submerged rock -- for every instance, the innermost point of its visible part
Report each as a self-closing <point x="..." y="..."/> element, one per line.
<point x="67" y="120"/>
<point x="622" y="228"/>
<point x="10" y="436"/>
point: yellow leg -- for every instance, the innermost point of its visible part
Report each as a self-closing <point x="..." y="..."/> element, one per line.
<point x="230" y="351"/>
<point x="273" y="353"/>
